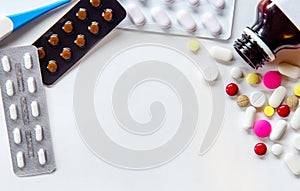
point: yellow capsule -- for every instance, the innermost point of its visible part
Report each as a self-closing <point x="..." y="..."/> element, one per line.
<point x="194" y="46"/>
<point x="269" y="111"/>
<point x="252" y="78"/>
<point x="297" y="90"/>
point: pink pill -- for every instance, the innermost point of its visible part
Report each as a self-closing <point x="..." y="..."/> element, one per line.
<point x="262" y="128"/>
<point x="272" y="79"/>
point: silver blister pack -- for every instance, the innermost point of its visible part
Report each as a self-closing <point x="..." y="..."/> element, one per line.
<point x="200" y="18"/>
<point x="26" y="112"/>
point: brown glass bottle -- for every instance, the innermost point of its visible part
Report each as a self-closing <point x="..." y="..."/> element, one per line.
<point x="272" y="31"/>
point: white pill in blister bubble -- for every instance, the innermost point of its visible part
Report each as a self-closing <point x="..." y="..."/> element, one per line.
<point x="277" y="96"/>
<point x="295" y="120"/>
<point x="168" y="1"/>
<point x="27" y="61"/>
<point x="236" y="73"/>
<point x="220" y="4"/>
<point x="211" y="24"/>
<point x="220" y="53"/>
<point x="9" y="88"/>
<point x="289" y="70"/>
<point x="31" y="84"/>
<point x="278" y="130"/>
<point x="13" y="112"/>
<point x="5" y="64"/>
<point x="257" y="99"/>
<point x="297" y="143"/>
<point x="293" y="163"/>
<point x="17" y="136"/>
<point x="136" y="15"/>
<point x="160" y="17"/>
<point x="194" y="2"/>
<point x="277" y="149"/>
<point x="42" y="156"/>
<point x="186" y="20"/>
<point x="249" y="117"/>
<point x="35" y="109"/>
<point x="38" y="133"/>
<point x="20" y="159"/>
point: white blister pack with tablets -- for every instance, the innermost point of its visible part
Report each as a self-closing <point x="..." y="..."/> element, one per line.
<point x="200" y="18"/>
<point x="26" y="112"/>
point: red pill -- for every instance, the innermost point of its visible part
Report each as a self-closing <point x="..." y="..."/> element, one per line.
<point x="260" y="149"/>
<point x="283" y="110"/>
<point x="232" y="89"/>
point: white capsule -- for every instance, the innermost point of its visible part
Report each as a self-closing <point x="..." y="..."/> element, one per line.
<point x="194" y="2"/>
<point x="17" y="136"/>
<point x="277" y="96"/>
<point x="42" y="157"/>
<point x="211" y="23"/>
<point x="295" y="120"/>
<point x="249" y="117"/>
<point x="39" y="133"/>
<point x="27" y="61"/>
<point x="31" y="84"/>
<point x="297" y="143"/>
<point x="5" y="64"/>
<point x="293" y="163"/>
<point x="257" y="99"/>
<point x="9" y="88"/>
<point x="277" y="149"/>
<point x="289" y="70"/>
<point x="221" y="54"/>
<point x="278" y="130"/>
<point x="20" y="159"/>
<point x="236" y="73"/>
<point x="35" y="109"/>
<point x="13" y="112"/>
<point x="136" y="15"/>
<point x="186" y="20"/>
<point x="220" y="4"/>
<point x="160" y="17"/>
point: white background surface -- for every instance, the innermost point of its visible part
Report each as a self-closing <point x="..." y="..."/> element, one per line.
<point x="229" y="165"/>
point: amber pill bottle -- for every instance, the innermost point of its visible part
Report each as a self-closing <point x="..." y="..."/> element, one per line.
<point x="277" y="27"/>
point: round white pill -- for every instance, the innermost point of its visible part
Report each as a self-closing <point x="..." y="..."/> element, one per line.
<point x="277" y="149"/>
<point x="236" y="73"/>
<point x="211" y="73"/>
<point x="257" y="99"/>
<point x="297" y="143"/>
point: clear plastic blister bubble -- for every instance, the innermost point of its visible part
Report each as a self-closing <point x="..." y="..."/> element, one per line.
<point x="139" y="99"/>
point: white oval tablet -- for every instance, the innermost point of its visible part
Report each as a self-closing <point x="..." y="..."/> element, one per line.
<point x="38" y="133"/>
<point x="31" y="84"/>
<point x="35" y="109"/>
<point x="249" y="117"/>
<point x="5" y="64"/>
<point x="17" y="136"/>
<point x="220" y="53"/>
<point x="135" y="14"/>
<point x="9" y="88"/>
<point x="211" y="73"/>
<point x="278" y="130"/>
<point x="277" y="149"/>
<point x="13" y="112"/>
<point x="289" y="70"/>
<point x="277" y="96"/>
<point x="194" y="2"/>
<point x="20" y="159"/>
<point x="257" y="99"/>
<point x="211" y="23"/>
<point x="186" y="20"/>
<point x="295" y="120"/>
<point x="160" y="17"/>
<point x="220" y="4"/>
<point x="27" y="61"/>
<point x="297" y="143"/>
<point x="42" y="157"/>
<point x="293" y="163"/>
<point x="236" y="73"/>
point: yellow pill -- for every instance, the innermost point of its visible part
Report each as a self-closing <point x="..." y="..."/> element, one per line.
<point x="297" y="90"/>
<point x="252" y="78"/>
<point x="269" y="111"/>
<point x="194" y="45"/>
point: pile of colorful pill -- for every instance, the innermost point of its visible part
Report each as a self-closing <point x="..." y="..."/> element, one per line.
<point x="275" y="99"/>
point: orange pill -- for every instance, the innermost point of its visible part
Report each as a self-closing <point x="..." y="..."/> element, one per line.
<point x="66" y="53"/>
<point x="94" y="27"/>
<point x="95" y="3"/>
<point x="68" y="27"/>
<point x="80" y="40"/>
<point x="52" y="66"/>
<point x="81" y="14"/>
<point x="53" y="40"/>
<point x="41" y="53"/>
<point x="107" y="14"/>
